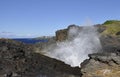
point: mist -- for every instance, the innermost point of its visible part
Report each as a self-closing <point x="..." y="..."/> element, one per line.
<point x="74" y="50"/>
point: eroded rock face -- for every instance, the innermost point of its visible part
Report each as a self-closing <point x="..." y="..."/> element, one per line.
<point x="63" y="34"/>
<point x="101" y="65"/>
<point x="19" y="60"/>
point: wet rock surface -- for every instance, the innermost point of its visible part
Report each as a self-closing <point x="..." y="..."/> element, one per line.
<point x="19" y="60"/>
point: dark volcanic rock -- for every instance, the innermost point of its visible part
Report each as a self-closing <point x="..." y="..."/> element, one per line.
<point x="19" y="60"/>
<point x="110" y="43"/>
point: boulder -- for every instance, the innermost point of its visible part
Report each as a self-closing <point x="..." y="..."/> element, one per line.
<point x="101" y="65"/>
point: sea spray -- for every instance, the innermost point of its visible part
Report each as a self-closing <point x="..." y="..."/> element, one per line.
<point x="76" y="48"/>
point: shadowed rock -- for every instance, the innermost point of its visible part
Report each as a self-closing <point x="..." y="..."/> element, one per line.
<point x="19" y="60"/>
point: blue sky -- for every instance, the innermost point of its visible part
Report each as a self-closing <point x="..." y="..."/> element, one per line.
<point x="32" y="18"/>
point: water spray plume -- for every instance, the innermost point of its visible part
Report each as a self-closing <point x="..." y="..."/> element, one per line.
<point x="80" y="43"/>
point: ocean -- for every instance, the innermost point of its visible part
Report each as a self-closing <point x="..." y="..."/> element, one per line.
<point x="30" y="40"/>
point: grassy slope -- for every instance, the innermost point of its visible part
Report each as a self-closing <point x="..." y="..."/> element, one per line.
<point x="112" y="27"/>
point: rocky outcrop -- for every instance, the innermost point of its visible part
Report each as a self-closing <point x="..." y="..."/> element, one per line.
<point x="19" y="60"/>
<point x="101" y="65"/>
<point x="63" y="34"/>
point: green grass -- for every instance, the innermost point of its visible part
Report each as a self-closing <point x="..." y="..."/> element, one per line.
<point x="111" y="22"/>
<point x="112" y="27"/>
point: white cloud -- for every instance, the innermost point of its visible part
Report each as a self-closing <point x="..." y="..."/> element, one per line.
<point x="6" y="34"/>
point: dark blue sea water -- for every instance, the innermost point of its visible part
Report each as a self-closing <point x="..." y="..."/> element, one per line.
<point x="30" y="40"/>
